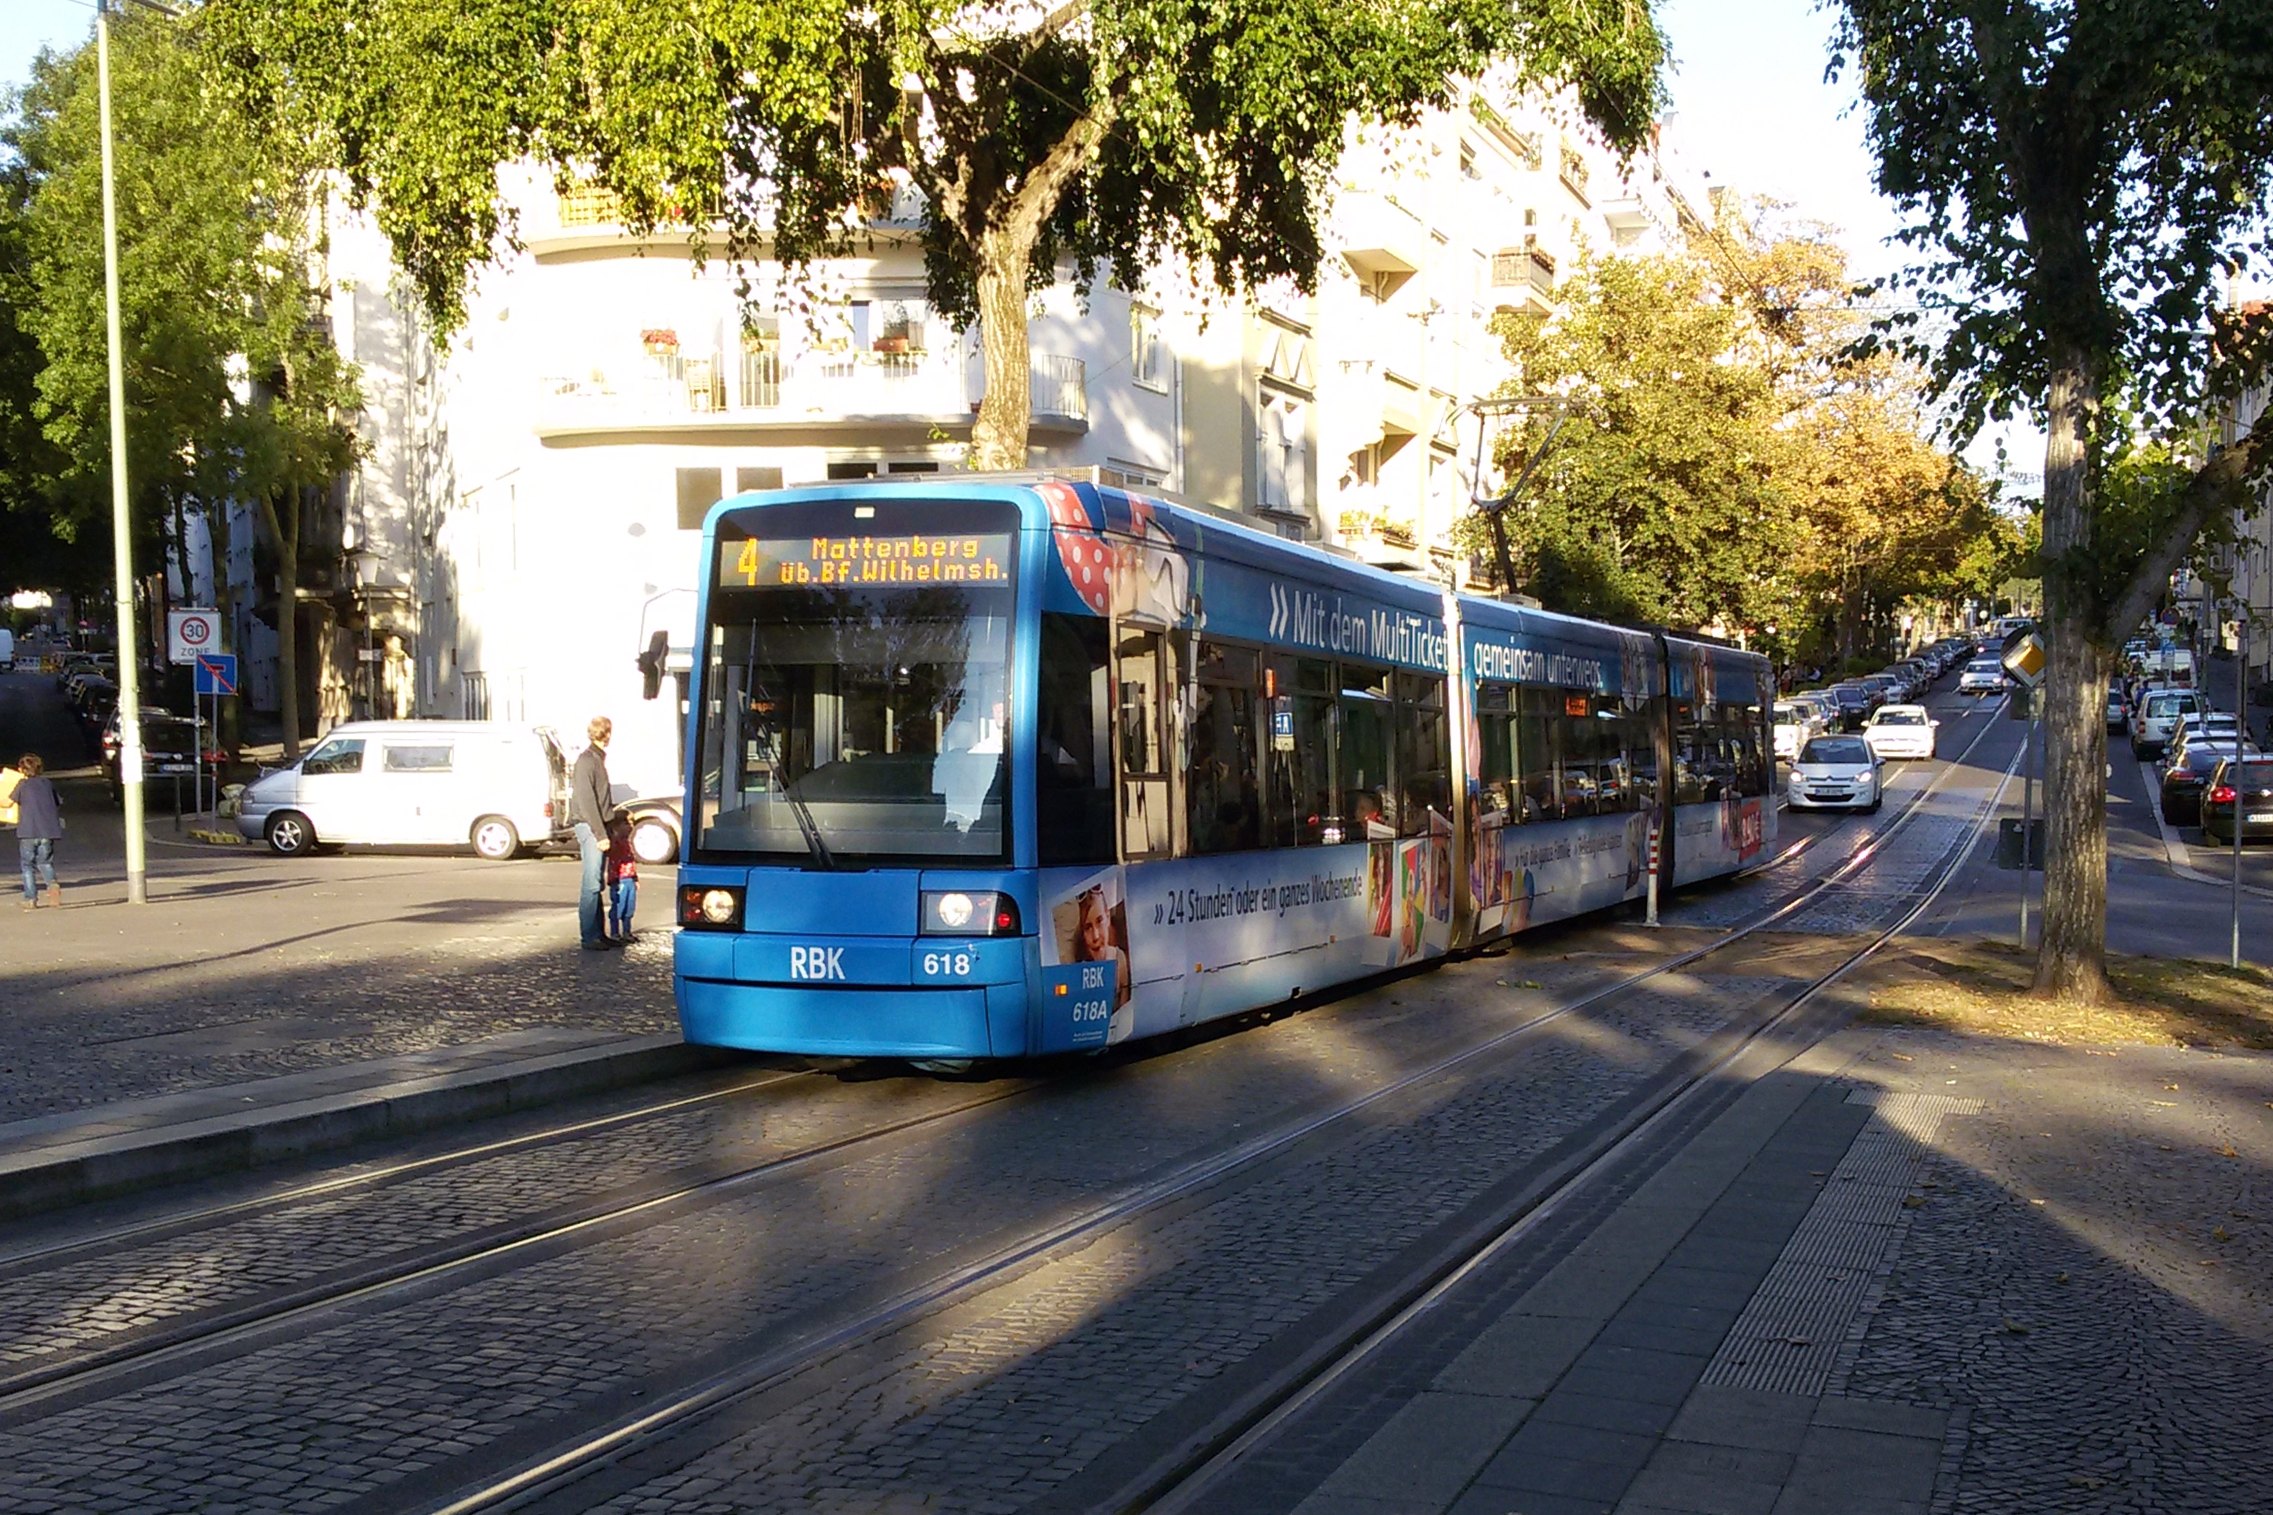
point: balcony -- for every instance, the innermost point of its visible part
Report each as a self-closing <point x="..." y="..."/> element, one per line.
<point x="818" y="391"/>
<point x="1381" y="240"/>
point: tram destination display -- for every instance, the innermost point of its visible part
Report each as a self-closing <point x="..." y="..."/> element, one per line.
<point x="865" y="560"/>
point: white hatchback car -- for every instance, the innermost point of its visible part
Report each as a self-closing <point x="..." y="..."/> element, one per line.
<point x="1901" y="731"/>
<point x="1982" y="676"/>
<point x="1836" y="773"/>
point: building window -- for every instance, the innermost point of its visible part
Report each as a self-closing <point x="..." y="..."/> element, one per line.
<point x="1118" y="474"/>
<point x="1282" y="453"/>
<point x="747" y="479"/>
<point x="1148" y="358"/>
<point x="1527" y="150"/>
<point x="699" y="489"/>
<point x="1468" y="161"/>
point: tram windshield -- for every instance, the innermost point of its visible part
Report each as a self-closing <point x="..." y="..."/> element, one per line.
<point x="855" y="696"/>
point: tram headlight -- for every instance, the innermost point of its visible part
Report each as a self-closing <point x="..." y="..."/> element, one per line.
<point x="968" y="912"/>
<point x="710" y="907"/>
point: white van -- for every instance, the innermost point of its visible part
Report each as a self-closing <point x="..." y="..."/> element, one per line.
<point x="490" y="785"/>
<point x="2158" y="715"/>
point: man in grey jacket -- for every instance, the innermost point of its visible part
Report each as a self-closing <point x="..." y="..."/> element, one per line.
<point x="590" y="808"/>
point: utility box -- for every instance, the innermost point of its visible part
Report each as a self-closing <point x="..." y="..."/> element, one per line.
<point x="2009" y="843"/>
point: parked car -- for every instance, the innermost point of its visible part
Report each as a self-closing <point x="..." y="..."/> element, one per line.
<point x="2157" y="716"/>
<point x="1855" y="705"/>
<point x="2217" y="727"/>
<point x="1982" y="676"/>
<point x="1791" y="728"/>
<point x="2243" y="785"/>
<point x="2117" y="712"/>
<point x="1901" y="731"/>
<point x="491" y="785"/>
<point x="656" y="827"/>
<point x="1836" y="772"/>
<point x="169" y="751"/>
<point x="2184" y="777"/>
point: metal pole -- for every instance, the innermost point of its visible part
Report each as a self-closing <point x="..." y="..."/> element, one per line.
<point x="2027" y="812"/>
<point x="2241" y="769"/>
<point x="129" y="655"/>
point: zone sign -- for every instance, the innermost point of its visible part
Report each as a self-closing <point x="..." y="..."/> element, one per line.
<point x="190" y="632"/>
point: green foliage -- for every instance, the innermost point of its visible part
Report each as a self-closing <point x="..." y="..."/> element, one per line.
<point x="1729" y="459"/>
<point x="1107" y="133"/>
<point x="2081" y="172"/>
<point x="233" y="389"/>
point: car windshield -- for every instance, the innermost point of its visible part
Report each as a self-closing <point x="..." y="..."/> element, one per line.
<point x="1850" y="696"/>
<point x="1901" y="718"/>
<point x="1842" y="749"/>
<point x="854" y="703"/>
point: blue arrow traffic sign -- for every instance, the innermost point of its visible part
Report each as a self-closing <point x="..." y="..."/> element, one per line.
<point x="216" y="673"/>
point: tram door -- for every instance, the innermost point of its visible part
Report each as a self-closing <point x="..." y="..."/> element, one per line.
<point x="1144" y="691"/>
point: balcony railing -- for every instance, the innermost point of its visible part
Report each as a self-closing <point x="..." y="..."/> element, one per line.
<point x="773" y="387"/>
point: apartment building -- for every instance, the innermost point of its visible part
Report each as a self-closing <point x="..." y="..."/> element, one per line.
<point x="2251" y="555"/>
<point x="1474" y="213"/>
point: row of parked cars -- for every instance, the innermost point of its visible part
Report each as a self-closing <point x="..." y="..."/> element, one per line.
<point x="169" y="741"/>
<point x="2212" y="775"/>
<point x="1839" y="739"/>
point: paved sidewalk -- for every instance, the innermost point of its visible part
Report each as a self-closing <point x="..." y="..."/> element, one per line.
<point x="1912" y="1273"/>
<point x="260" y="1006"/>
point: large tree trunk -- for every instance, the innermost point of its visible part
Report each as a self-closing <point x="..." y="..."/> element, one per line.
<point x="2072" y="960"/>
<point x="998" y="434"/>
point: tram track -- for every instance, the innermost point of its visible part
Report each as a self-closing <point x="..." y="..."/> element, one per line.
<point x="541" y="1481"/>
<point x="87" y="1372"/>
<point x="1183" y="1479"/>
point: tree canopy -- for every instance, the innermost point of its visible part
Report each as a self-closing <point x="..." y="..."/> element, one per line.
<point x="1096" y="133"/>
<point x="235" y="393"/>
<point x="2081" y="176"/>
<point x="1729" y="460"/>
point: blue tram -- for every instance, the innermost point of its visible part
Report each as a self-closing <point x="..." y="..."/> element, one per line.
<point x="992" y="768"/>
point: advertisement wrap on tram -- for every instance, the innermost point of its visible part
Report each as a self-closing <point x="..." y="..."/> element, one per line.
<point x="998" y="768"/>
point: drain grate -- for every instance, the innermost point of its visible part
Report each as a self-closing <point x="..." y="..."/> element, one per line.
<point x="1790" y="1334"/>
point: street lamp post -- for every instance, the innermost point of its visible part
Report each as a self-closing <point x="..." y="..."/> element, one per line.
<point x="129" y="645"/>
<point x="129" y="664"/>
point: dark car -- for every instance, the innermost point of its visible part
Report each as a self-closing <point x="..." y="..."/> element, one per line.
<point x="2184" y="779"/>
<point x="169" y="752"/>
<point x="1855" y="705"/>
<point x="2253" y="779"/>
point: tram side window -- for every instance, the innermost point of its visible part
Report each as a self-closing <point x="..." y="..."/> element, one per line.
<point x="1140" y="715"/>
<point x="1696" y="756"/>
<point x="1538" y="740"/>
<point x="1300" y="809"/>
<point x="1613" y="763"/>
<point x="1741" y="736"/>
<point x="1073" y="749"/>
<point x="1495" y="761"/>
<point x="1640" y="736"/>
<point x="1223" y="796"/>
<point x="1582" y="751"/>
<point x="1366" y="708"/>
<point x="1424" y="753"/>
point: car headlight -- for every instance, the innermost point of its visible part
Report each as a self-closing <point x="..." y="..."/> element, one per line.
<point x="1864" y="777"/>
<point x="968" y="912"/>
<point x="710" y="907"/>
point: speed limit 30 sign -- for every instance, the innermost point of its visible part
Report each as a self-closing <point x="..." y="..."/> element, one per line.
<point x="190" y="632"/>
